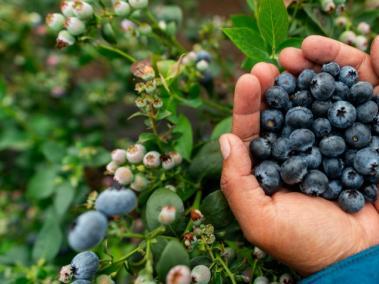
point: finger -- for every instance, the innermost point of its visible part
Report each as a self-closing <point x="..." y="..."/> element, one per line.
<point x="321" y="50"/>
<point x="246" y="198"/>
<point x="247" y="101"/>
<point x="294" y="61"/>
<point x="266" y="74"/>
<point x="375" y="55"/>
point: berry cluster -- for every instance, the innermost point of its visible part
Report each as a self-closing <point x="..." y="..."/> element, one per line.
<point x="319" y="132"/>
<point x="200" y="274"/>
<point x="77" y="15"/>
<point x="201" y="59"/>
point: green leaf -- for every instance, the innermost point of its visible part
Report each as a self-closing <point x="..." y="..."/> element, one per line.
<point x="168" y="69"/>
<point x="324" y="22"/>
<point x="63" y="198"/>
<point x="53" y="151"/>
<point x="42" y="184"/>
<point x="243" y="21"/>
<point x="248" y="41"/>
<point x="173" y="254"/>
<point x="48" y="241"/>
<point x="272" y="21"/>
<point x="3" y="87"/>
<point x="207" y="162"/>
<point x="250" y="4"/>
<point x="184" y="143"/>
<point x="290" y="42"/>
<point x="216" y="210"/>
<point x="145" y="137"/>
<point x="160" y="198"/>
<point x="224" y="126"/>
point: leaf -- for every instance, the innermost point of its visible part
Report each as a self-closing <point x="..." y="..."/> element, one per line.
<point x="324" y="22"/>
<point x="207" y="162"/>
<point x="168" y="69"/>
<point x="251" y="5"/>
<point x="48" y="241"/>
<point x="290" y="42"/>
<point x="216" y="210"/>
<point x="53" y="151"/>
<point x="272" y="21"/>
<point x="224" y="126"/>
<point x="243" y="21"/>
<point x="248" y="41"/>
<point x="173" y="254"/>
<point x="63" y="198"/>
<point x="160" y="198"/>
<point x="42" y="184"/>
<point x="184" y="143"/>
<point x="145" y="137"/>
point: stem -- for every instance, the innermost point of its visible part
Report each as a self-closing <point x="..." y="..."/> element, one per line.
<point x="195" y="205"/>
<point x="118" y="51"/>
<point x="227" y="270"/>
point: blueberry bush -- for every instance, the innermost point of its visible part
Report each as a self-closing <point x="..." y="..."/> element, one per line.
<point x="110" y="114"/>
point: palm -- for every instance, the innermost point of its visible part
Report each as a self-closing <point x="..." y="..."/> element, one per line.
<point x="305" y="232"/>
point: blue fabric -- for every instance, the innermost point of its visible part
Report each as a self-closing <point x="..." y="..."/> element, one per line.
<point x="362" y="268"/>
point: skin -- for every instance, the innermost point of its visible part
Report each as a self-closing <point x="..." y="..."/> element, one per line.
<point x="306" y="233"/>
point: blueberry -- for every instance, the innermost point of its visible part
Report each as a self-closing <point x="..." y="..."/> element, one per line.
<point x="305" y="78"/>
<point x="321" y="127"/>
<point x="302" y="98"/>
<point x="348" y="75"/>
<point x="374" y="144"/>
<point x="302" y="139"/>
<point x="313" y="158"/>
<point x="281" y="149"/>
<point x="366" y="162"/>
<point x="85" y="265"/>
<point x="334" y="189"/>
<point x="351" y="179"/>
<point x="260" y="148"/>
<point x="270" y="137"/>
<point x="299" y="117"/>
<point x="321" y="108"/>
<point x="277" y="97"/>
<point x="341" y="92"/>
<point x="293" y="170"/>
<point x="350" y="156"/>
<point x="351" y="201"/>
<point x="342" y="114"/>
<point x="203" y="55"/>
<point x="370" y="192"/>
<point x="271" y="120"/>
<point x="322" y="86"/>
<point x="115" y="202"/>
<point x="367" y="112"/>
<point x="80" y="281"/>
<point x="332" y="146"/>
<point x="333" y="167"/>
<point x="268" y="175"/>
<point x="287" y="81"/>
<point x="332" y="68"/>
<point x="358" y="135"/>
<point x="315" y="183"/>
<point x="360" y="93"/>
<point x="375" y="125"/>
<point x="286" y="131"/>
<point x="89" y="230"/>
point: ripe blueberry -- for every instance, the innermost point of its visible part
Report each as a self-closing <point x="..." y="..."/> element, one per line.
<point x="333" y="167"/>
<point x="313" y="158"/>
<point x="332" y="146"/>
<point x="322" y="86"/>
<point x="360" y="92"/>
<point x="315" y="183"/>
<point x="370" y="192"/>
<point x="89" y="230"/>
<point x="334" y="189"/>
<point x="332" y="68"/>
<point x="341" y="92"/>
<point x="351" y="179"/>
<point x="287" y="81"/>
<point x="366" y="162"/>
<point x="342" y="114"/>
<point x="321" y="127"/>
<point x="374" y="143"/>
<point x="348" y="75"/>
<point x="268" y="175"/>
<point x="302" y="98"/>
<point x="293" y="170"/>
<point x="299" y="117"/>
<point x="321" y="108"/>
<point x="277" y="97"/>
<point x="271" y="120"/>
<point x="375" y="125"/>
<point x="85" y="265"/>
<point x="115" y="202"/>
<point x="305" y="78"/>
<point x="260" y="148"/>
<point x="367" y="112"/>
<point x="302" y="139"/>
<point x="281" y="149"/>
<point x="351" y="201"/>
<point x="350" y="156"/>
<point x="358" y="135"/>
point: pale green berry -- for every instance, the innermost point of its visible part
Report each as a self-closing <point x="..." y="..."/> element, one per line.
<point x="152" y="159"/>
<point x="121" y="8"/>
<point x="364" y="28"/>
<point x="178" y="159"/>
<point x="65" y="39"/>
<point x="201" y="274"/>
<point x="139" y="4"/>
<point x="341" y="21"/>
<point x="139" y="183"/>
<point x="104" y="279"/>
<point x="127" y="26"/>
<point x="167" y="162"/>
<point x="83" y="10"/>
<point x="202" y="65"/>
<point x="145" y="29"/>
<point x="135" y="153"/>
<point x="162" y="25"/>
<point x="258" y="253"/>
<point x="157" y="103"/>
<point x="112" y="167"/>
<point x="67" y="8"/>
<point x="167" y="215"/>
<point x="55" y="21"/>
<point x="179" y="274"/>
<point x="75" y="26"/>
<point x="348" y="37"/>
<point x="119" y="156"/>
<point x="328" y="6"/>
<point x="123" y="175"/>
<point x="261" y="280"/>
<point x="361" y="42"/>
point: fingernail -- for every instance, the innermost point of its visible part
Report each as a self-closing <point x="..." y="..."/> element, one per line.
<point x="224" y="146"/>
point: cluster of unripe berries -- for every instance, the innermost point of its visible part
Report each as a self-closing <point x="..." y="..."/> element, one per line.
<point x="330" y="6"/>
<point x="318" y="136"/>
<point x="182" y="274"/>
<point x="349" y="37"/>
<point x="202" y="60"/>
<point x="75" y="14"/>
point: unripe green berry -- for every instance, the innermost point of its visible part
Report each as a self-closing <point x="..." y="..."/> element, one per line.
<point x="121" y="8"/>
<point x="201" y="274"/>
<point x="364" y="28"/>
<point x="167" y="215"/>
<point x="348" y="37"/>
<point x="55" y="21"/>
<point x="139" y="183"/>
<point x="123" y="175"/>
<point x="152" y="159"/>
<point x="75" y="26"/>
<point x="202" y="65"/>
<point x="119" y="156"/>
<point x="139" y="4"/>
<point x="83" y="10"/>
<point x="179" y="274"/>
<point x="65" y="39"/>
<point x="67" y="8"/>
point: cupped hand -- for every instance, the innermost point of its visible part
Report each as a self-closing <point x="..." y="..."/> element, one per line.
<point x="307" y="233"/>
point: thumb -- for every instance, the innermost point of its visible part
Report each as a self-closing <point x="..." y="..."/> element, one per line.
<point x="245" y="197"/>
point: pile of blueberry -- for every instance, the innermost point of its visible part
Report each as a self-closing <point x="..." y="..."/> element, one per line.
<point x="320" y="136"/>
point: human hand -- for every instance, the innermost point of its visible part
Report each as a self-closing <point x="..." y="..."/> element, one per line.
<point x="307" y="233"/>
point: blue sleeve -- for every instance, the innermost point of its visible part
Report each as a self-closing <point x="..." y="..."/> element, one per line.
<point x="361" y="268"/>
